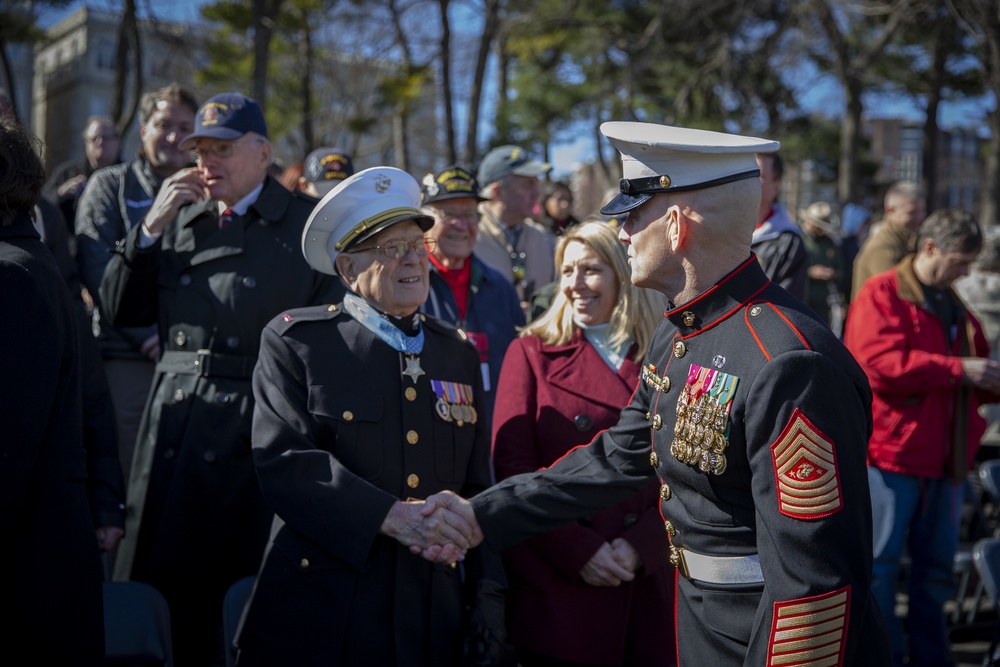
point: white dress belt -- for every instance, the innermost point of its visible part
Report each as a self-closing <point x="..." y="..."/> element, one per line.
<point x="721" y="569"/>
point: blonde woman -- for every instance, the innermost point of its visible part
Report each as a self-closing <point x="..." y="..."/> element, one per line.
<point x="599" y="591"/>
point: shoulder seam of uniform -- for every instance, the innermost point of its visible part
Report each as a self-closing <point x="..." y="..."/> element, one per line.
<point x="755" y="331"/>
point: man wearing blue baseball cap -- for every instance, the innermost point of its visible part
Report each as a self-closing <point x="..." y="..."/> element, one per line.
<point x="214" y="259"/>
<point x="750" y="413"/>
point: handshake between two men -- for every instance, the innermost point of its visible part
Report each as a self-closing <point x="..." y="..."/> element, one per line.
<point x="444" y="526"/>
<point x="441" y="528"/>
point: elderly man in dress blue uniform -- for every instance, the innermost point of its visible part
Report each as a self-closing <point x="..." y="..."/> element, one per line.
<point x="363" y="407"/>
<point x="749" y="411"/>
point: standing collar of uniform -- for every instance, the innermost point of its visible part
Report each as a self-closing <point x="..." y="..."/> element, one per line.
<point x="378" y="323"/>
<point x="721" y="300"/>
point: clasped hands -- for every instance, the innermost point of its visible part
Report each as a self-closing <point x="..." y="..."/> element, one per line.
<point x="441" y="528"/>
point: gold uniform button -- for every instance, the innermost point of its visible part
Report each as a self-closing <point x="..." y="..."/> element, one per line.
<point x="410" y="393"/>
<point x="688" y="318"/>
<point x="412" y="481"/>
<point x="680" y="349"/>
<point x="654" y="460"/>
<point x="664" y="181"/>
<point x="755" y="311"/>
<point x="657" y="422"/>
<point x="348" y="415"/>
<point x="332" y="309"/>
<point x="665" y="492"/>
<point x="665" y="384"/>
<point x="304" y="563"/>
<point x="412" y="437"/>
<point x="671" y="531"/>
<point x="647" y="416"/>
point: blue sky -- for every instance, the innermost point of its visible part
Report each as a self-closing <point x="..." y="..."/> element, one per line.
<point x="815" y="93"/>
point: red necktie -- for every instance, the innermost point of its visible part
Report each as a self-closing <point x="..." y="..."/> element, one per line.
<point x="226" y="218"/>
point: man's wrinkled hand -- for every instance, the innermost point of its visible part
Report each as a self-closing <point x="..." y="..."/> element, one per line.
<point x="430" y="529"/>
<point x="183" y="187"/>
<point x="458" y="507"/>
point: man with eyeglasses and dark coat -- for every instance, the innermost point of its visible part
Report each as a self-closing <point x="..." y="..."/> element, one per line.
<point x="363" y="407"/>
<point x="214" y="259"/>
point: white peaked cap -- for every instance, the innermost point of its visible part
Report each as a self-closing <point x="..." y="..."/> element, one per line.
<point x="358" y="208"/>
<point x="660" y="159"/>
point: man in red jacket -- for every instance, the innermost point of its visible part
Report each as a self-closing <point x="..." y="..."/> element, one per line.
<point x="925" y="357"/>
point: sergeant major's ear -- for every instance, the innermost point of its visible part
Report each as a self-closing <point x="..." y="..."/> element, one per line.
<point x="677" y="227"/>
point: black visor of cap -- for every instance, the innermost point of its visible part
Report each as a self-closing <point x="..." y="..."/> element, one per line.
<point x="637" y="191"/>
<point x="624" y="202"/>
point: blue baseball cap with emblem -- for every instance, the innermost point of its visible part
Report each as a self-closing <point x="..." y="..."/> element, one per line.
<point x="227" y="116"/>
<point x="660" y="159"/>
<point x="357" y="209"/>
<point x="325" y="167"/>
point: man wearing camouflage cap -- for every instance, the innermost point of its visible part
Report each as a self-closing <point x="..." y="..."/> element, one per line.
<point x="464" y="290"/>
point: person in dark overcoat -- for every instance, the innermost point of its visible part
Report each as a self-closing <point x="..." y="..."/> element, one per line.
<point x="361" y="408"/>
<point x="51" y="596"/>
<point x="600" y="590"/>
<point x="212" y="262"/>
<point x="750" y="413"/>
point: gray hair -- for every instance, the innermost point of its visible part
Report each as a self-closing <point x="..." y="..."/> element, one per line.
<point x="952" y="230"/>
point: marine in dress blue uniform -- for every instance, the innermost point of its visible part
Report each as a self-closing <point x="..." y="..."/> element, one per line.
<point x="362" y="406"/>
<point x="751" y="414"/>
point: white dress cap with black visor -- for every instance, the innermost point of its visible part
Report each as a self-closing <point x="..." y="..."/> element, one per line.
<point x="660" y="159"/>
<point x="357" y="209"/>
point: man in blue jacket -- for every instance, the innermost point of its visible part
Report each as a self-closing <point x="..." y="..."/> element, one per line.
<point x="464" y="290"/>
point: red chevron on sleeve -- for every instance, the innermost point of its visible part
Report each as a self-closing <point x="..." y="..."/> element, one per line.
<point x="810" y="631"/>
<point x="805" y="470"/>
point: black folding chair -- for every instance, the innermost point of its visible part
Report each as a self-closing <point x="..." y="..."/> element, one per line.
<point x="986" y="556"/>
<point x="136" y="625"/>
<point x="989" y="478"/>
<point x="232" y="610"/>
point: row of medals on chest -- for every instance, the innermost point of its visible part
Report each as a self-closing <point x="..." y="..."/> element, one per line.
<point x="700" y="429"/>
<point x="454" y="401"/>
